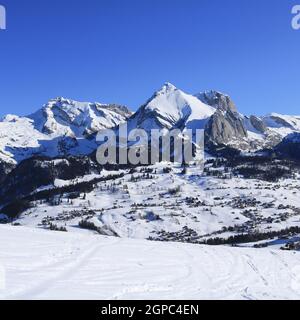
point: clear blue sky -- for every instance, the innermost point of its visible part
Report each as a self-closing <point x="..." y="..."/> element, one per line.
<point x="120" y="51"/>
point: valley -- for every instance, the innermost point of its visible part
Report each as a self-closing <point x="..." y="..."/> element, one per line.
<point x="71" y="227"/>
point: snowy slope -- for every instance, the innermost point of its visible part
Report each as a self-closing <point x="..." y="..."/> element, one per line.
<point x="37" y="264"/>
<point x="275" y="120"/>
<point x="282" y="124"/>
<point x="140" y="206"/>
<point x="170" y="107"/>
<point x="18" y="138"/>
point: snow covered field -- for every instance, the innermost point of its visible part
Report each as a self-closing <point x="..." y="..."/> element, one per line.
<point x="41" y="264"/>
<point x="158" y="205"/>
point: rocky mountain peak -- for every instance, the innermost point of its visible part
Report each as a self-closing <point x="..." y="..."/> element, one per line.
<point x="217" y="100"/>
<point x="170" y="107"/>
<point x="167" y="87"/>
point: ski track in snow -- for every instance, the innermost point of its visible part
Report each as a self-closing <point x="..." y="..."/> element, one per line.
<point x="52" y="265"/>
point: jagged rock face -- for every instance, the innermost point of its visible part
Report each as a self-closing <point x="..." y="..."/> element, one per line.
<point x="241" y="132"/>
<point x="258" y="124"/>
<point x="34" y="173"/>
<point x="225" y="128"/>
<point x="217" y="100"/>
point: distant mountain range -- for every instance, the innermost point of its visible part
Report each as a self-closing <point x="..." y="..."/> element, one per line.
<point x="65" y="127"/>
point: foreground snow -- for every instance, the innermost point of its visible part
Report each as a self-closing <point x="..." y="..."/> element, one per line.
<point x="41" y="264"/>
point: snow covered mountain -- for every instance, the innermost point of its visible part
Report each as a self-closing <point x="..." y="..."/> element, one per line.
<point x="67" y="127"/>
<point x="61" y="127"/>
<point x="78" y="119"/>
<point x="247" y="133"/>
<point x="215" y="112"/>
<point x="171" y="108"/>
<point x="268" y="131"/>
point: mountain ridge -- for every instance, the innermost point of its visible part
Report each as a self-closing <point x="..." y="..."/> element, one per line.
<point x="59" y="124"/>
<point x="67" y="127"/>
